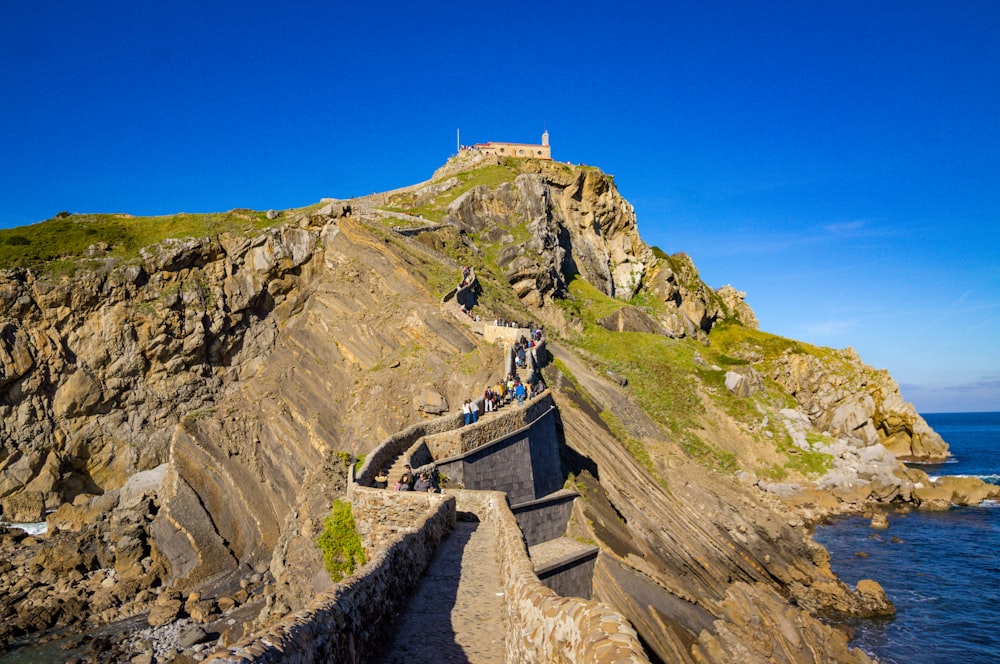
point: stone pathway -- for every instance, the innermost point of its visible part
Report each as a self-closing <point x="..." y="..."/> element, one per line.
<point x="456" y="614"/>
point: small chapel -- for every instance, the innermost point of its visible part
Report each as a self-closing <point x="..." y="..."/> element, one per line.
<point x="528" y="150"/>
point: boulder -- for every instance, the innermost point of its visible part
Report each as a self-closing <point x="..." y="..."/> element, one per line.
<point x="192" y="636"/>
<point x="432" y="402"/>
<point x="25" y="507"/>
<point x="78" y="395"/>
<point x="968" y="490"/>
<point x="632" y="319"/>
<point x="932" y="496"/>
<point x="879" y="521"/>
<point x="874" y="599"/>
<point x="739" y="384"/>
<point x="164" y="612"/>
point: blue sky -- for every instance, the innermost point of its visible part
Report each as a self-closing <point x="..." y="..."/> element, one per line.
<point x="840" y="162"/>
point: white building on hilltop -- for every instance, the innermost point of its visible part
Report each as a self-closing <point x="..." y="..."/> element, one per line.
<point x="525" y="150"/>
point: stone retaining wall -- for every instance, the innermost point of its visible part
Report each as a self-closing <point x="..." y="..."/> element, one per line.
<point x="542" y="626"/>
<point x="349" y="623"/>
<point x="382" y="515"/>
<point x="545" y="519"/>
<point x="392" y="447"/>
<point x="511" y="419"/>
<point x="572" y="576"/>
<point x="523" y="463"/>
<point x="509" y="335"/>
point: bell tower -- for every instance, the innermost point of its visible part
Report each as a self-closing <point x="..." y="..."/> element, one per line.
<point x="545" y="138"/>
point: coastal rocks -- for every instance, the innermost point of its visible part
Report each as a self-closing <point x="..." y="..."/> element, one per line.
<point x="26" y="507"/>
<point x="857" y="472"/>
<point x="943" y="492"/>
<point x="874" y="599"/>
<point x="879" y="521"/>
<point x="844" y="397"/>
<point x="95" y="372"/>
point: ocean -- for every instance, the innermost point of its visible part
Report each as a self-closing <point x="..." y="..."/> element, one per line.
<point x="940" y="569"/>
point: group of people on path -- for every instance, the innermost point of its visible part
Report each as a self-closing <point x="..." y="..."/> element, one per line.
<point x="509" y="390"/>
<point x="495" y="396"/>
<point x="424" y="483"/>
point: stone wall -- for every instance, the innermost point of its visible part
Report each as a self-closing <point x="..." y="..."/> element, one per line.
<point x="508" y="335"/>
<point x="381" y="515"/>
<point x="545" y="519"/>
<point x="572" y="576"/>
<point x="541" y="625"/>
<point x="398" y="443"/>
<point x="524" y="463"/>
<point x="348" y="622"/>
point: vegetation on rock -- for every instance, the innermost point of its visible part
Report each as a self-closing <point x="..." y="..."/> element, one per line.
<point x="50" y="244"/>
<point x="340" y="543"/>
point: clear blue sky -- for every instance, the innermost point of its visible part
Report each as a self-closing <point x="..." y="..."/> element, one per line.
<point x="840" y="162"/>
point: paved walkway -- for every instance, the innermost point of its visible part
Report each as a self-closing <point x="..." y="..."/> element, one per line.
<point x="456" y="614"/>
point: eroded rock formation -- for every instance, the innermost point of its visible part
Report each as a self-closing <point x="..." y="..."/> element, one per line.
<point x="189" y="416"/>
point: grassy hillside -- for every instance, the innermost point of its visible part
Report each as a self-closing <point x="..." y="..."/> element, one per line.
<point x="680" y="383"/>
<point x="49" y="244"/>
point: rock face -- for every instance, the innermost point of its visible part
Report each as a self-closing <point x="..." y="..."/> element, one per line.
<point x="577" y="223"/>
<point x="692" y="308"/>
<point x="702" y="569"/>
<point x="100" y="369"/>
<point x="847" y="398"/>
<point x="185" y="420"/>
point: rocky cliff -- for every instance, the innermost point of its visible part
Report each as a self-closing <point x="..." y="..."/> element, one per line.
<point x="186" y="414"/>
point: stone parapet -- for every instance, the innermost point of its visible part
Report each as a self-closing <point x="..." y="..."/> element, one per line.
<point x="541" y="625"/>
<point x="508" y="335"/>
<point x="346" y="623"/>
<point x="398" y="443"/>
<point x="458" y="439"/>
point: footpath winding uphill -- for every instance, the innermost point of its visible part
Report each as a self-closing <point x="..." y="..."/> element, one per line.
<point x="480" y="573"/>
<point x="456" y="614"/>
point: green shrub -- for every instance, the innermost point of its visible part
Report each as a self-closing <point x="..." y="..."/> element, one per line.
<point x="340" y="543"/>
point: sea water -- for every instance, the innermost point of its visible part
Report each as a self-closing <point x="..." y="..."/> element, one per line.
<point x="940" y="569"/>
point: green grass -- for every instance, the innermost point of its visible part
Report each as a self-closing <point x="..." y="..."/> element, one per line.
<point x="662" y="374"/>
<point x="54" y="244"/>
<point x="733" y="346"/>
<point x="435" y="209"/>
<point x="339" y="542"/>
<point x="659" y="369"/>
<point x="632" y="445"/>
